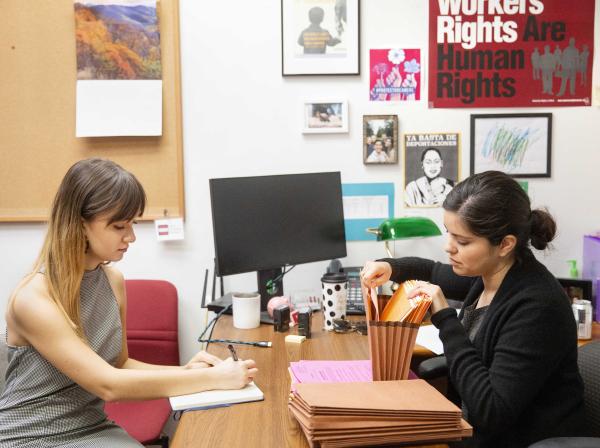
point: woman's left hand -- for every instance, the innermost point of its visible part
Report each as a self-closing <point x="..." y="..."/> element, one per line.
<point x="202" y="359"/>
<point x="438" y="300"/>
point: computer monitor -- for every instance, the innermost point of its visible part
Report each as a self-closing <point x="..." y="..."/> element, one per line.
<point x="264" y="223"/>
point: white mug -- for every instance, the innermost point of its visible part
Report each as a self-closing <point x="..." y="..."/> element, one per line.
<point x="246" y="310"/>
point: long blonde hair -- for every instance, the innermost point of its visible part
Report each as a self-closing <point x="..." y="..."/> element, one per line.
<point x="90" y="188"/>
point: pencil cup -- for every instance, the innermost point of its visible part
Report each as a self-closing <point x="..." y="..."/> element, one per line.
<point x="335" y="295"/>
<point x="246" y="310"/>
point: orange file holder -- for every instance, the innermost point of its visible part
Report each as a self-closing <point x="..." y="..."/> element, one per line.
<point x="393" y="324"/>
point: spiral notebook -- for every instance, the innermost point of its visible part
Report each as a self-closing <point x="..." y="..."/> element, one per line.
<point x="211" y="398"/>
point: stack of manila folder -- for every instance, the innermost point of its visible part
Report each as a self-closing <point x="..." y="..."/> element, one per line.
<point x="375" y="413"/>
<point x="393" y="324"/>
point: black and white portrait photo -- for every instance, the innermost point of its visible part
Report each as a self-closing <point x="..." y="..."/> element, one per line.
<point x="431" y="168"/>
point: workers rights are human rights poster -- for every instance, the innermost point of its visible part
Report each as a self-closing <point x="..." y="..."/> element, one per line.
<point x="510" y="53"/>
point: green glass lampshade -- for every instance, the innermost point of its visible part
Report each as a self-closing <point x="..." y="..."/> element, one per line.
<point x="406" y="227"/>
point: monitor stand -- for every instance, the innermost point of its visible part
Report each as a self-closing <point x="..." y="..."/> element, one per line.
<point x="265" y="318"/>
<point x="262" y="278"/>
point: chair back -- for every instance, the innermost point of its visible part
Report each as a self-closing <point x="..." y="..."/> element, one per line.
<point x="589" y="367"/>
<point x="152" y="327"/>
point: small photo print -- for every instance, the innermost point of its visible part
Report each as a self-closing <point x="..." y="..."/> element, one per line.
<point x="431" y="164"/>
<point x="380" y="139"/>
<point x="324" y="116"/>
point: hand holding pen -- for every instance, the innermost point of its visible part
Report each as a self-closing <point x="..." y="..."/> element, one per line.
<point x="201" y="360"/>
<point x="233" y="353"/>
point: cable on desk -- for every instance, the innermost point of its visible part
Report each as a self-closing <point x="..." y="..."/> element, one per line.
<point x="235" y="341"/>
<point x="212" y="325"/>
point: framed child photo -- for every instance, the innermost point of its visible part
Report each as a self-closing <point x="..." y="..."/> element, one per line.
<point x="380" y="139"/>
<point x="325" y="116"/>
<point x="518" y="144"/>
<point x="320" y="37"/>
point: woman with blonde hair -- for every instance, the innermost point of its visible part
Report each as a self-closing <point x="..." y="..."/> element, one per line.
<point x="67" y="351"/>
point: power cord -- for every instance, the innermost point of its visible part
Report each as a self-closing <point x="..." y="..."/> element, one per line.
<point x="234" y="341"/>
<point x="211" y="325"/>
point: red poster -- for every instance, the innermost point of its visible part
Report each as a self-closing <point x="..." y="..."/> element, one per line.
<point x="510" y="53"/>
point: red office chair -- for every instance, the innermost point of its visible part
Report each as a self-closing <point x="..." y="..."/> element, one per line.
<point x="151" y="337"/>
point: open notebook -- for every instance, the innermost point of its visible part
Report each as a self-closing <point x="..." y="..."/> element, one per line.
<point x="217" y="397"/>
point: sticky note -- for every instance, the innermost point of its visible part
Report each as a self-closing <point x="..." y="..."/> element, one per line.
<point x="296" y="339"/>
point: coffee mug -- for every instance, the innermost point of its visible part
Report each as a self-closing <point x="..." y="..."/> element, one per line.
<point x="335" y="295"/>
<point x="246" y="310"/>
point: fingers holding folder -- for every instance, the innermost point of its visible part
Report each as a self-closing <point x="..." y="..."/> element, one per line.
<point x="434" y="292"/>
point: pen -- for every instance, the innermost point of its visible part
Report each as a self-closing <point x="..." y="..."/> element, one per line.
<point x="233" y="353"/>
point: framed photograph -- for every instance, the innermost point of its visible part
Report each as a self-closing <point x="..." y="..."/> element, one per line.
<point x="325" y="116"/>
<point x="431" y="167"/>
<point x="320" y="37"/>
<point x="380" y="139"/>
<point x="517" y="144"/>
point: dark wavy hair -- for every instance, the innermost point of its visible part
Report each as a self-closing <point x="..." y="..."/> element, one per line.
<point x="493" y="205"/>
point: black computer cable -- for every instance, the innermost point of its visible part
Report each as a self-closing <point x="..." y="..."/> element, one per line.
<point x="211" y="325"/>
<point x="263" y="344"/>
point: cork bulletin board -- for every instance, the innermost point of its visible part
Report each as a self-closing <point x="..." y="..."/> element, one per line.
<point x="37" y="114"/>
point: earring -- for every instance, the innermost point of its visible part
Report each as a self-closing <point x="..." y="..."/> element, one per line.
<point x="87" y="246"/>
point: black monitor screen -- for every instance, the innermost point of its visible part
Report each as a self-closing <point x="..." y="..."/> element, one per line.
<point x="267" y="222"/>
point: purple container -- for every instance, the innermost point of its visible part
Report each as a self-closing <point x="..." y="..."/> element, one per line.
<point x="591" y="269"/>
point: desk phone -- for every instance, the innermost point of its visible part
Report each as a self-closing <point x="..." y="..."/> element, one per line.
<point x="354" y="304"/>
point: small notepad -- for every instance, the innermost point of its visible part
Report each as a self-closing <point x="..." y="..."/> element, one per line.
<point x="217" y="397"/>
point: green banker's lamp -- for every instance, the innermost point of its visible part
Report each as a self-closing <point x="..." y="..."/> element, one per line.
<point x="404" y="228"/>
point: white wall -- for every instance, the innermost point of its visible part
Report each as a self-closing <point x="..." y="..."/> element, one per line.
<point x="242" y="118"/>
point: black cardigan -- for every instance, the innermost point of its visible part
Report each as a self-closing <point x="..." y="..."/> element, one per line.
<point x="519" y="378"/>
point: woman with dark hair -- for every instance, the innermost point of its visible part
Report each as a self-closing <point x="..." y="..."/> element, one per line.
<point x="67" y="351"/>
<point x="512" y="350"/>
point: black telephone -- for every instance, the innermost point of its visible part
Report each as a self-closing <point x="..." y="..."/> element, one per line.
<point x="354" y="303"/>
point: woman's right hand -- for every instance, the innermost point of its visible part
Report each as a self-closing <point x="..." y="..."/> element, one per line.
<point x="375" y="273"/>
<point x="230" y="374"/>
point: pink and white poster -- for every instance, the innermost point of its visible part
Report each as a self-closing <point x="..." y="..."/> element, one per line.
<point x="395" y="75"/>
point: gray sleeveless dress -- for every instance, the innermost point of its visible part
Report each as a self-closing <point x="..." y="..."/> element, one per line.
<point x="41" y="408"/>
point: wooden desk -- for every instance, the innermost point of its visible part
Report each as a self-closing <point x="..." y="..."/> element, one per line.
<point x="267" y="423"/>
